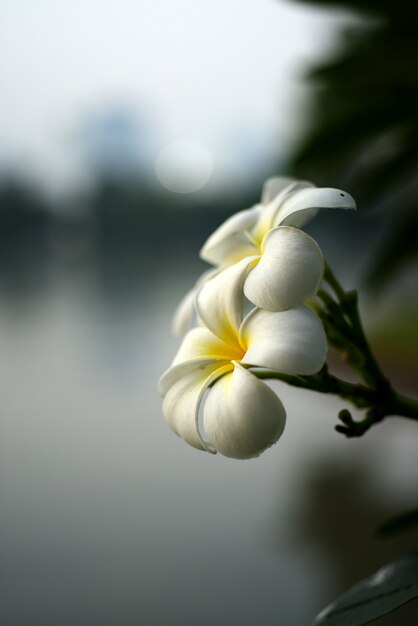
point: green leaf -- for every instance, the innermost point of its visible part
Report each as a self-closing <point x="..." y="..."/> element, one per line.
<point x="390" y="587"/>
<point x="398" y="523"/>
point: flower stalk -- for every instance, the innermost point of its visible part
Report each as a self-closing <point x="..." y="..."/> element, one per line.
<point x="340" y="315"/>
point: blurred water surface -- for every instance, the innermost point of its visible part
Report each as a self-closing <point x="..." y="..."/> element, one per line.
<point x="109" y="518"/>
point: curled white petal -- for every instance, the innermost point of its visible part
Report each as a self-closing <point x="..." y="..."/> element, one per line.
<point x="183" y="387"/>
<point x="185" y="311"/>
<point x="183" y="314"/>
<point x="242" y="415"/>
<point x="220" y="302"/>
<point x="292" y="341"/>
<point x="274" y="186"/>
<point x="302" y="205"/>
<point x="289" y="271"/>
<point x="268" y="217"/>
<point x="178" y="370"/>
<point x="230" y="242"/>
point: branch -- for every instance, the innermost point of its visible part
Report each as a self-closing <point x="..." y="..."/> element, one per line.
<point x="341" y="318"/>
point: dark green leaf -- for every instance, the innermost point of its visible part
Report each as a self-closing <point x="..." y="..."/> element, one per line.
<point x="362" y="133"/>
<point x="398" y="523"/>
<point x="386" y="590"/>
<point x="398" y="248"/>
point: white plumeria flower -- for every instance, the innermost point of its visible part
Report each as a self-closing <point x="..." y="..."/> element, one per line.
<point x="285" y="265"/>
<point x="242" y="416"/>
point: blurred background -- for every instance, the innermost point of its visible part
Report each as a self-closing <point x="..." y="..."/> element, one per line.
<point x="128" y="132"/>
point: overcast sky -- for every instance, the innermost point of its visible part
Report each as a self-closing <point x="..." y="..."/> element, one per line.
<point x="225" y="73"/>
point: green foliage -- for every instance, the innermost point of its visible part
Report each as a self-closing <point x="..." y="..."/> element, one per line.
<point x="363" y="127"/>
<point x="365" y="114"/>
<point x="398" y="523"/>
<point x="390" y="587"/>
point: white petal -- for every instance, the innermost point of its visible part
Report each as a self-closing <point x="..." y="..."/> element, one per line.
<point x="229" y="243"/>
<point x="242" y="415"/>
<point x="184" y="313"/>
<point x="273" y="186"/>
<point x="302" y="205"/>
<point x="200" y="343"/>
<point x="220" y="302"/>
<point x="292" y="342"/>
<point x="177" y="371"/>
<point x="268" y="218"/>
<point x="289" y="271"/>
<point x="288" y="191"/>
<point x="184" y="386"/>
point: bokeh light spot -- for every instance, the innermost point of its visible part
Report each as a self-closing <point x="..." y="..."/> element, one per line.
<point x="183" y="166"/>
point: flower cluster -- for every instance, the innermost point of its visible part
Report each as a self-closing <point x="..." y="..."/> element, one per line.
<point x="260" y="255"/>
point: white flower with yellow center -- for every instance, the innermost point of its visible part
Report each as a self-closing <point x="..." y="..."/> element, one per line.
<point x="285" y="265"/>
<point x="242" y="416"/>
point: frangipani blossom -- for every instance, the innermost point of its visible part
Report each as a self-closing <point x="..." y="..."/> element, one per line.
<point x="289" y="265"/>
<point x="286" y="264"/>
<point x="242" y="416"/>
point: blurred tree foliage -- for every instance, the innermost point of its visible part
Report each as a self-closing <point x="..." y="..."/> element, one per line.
<point x="363" y="126"/>
<point x="117" y="228"/>
<point x="25" y="219"/>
